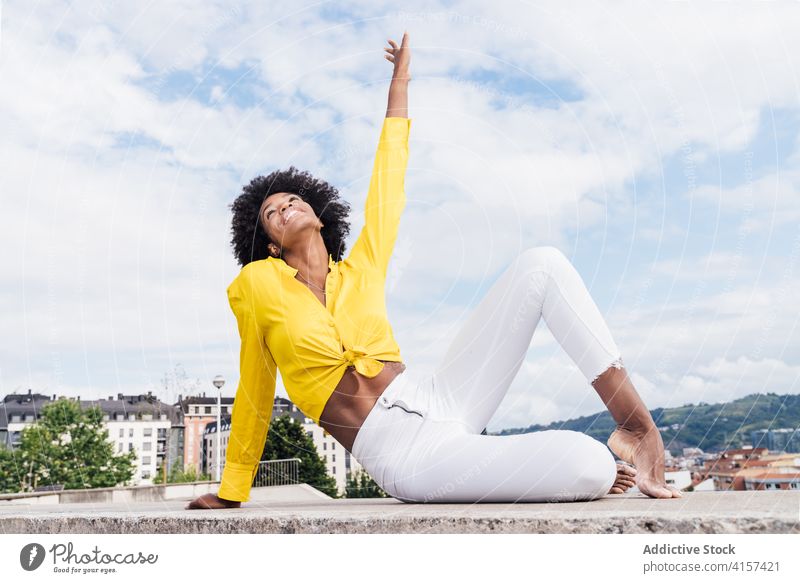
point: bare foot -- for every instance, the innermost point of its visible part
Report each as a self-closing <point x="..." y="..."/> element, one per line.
<point x="645" y="450"/>
<point x="624" y="480"/>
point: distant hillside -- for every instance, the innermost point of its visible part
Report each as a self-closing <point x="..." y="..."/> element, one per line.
<point x="710" y="427"/>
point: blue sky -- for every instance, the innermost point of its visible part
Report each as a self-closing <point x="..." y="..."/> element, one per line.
<point x="658" y="150"/>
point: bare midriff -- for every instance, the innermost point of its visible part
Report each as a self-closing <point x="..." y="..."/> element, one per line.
<point x="353" y="399"/>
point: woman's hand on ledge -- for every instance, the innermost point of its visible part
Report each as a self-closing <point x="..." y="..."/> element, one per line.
<point x="211" y="502"/>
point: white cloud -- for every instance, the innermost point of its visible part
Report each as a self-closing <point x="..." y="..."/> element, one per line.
<point x="763" y="204"/>
<point x="713" y="265"/>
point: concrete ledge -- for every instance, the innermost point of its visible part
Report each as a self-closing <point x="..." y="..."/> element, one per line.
<point x="119" y="495"/>
<point x="696" y="512"/>
<point x="124" y="497"/>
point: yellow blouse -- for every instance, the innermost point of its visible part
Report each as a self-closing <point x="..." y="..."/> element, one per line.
<point x="283" y="325"/>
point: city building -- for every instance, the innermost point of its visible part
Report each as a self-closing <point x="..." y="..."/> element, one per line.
<point x="196" y="413"/>
<point x="773" y="472"/>
<point x="17" y="412"/>
<point x="784" y="439"/>
<point x="751" y="468"/>
<point x="163" y="435"/>
<point x="139" y="423"/>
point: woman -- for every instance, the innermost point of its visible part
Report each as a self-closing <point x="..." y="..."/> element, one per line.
<point x="322" y="322"/>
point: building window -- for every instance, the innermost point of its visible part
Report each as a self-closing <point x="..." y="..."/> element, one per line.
<point x="333" y="445"/>
<point x="29" y="418"/>
<point x="130" y="447"/>
<point x="148" y="432"/>
<point x="16" y="419"/>
<point x="334" y="469"/>
<point x="333" y="457"/>
<point x="146" y="460"/>
<point x="145" y="474"/>
<point x="119" y="449"/>
<point x="208" y="410"/>
<point x="325" y="445"/>
<point x="147" y="446"/>
<point x="130" y="432"/>
<point x="122" y="432"/>
<point x="325" y="457"/>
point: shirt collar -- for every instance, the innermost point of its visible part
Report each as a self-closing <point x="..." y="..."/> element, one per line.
<point x="286" y="268"/>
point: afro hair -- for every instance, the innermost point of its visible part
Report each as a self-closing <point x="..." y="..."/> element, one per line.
<point x="249" y="241"/>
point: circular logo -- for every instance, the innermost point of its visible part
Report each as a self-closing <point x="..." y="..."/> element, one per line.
<point x="31" y="556"/>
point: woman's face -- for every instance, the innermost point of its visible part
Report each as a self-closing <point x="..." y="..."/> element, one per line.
<point x="286" y="218"/>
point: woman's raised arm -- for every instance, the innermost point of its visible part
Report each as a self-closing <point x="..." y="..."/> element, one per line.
<point x="398" y="90"/>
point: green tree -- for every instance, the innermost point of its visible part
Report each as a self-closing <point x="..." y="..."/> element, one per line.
<point x="11" y="475"/>
<point x="361" y="485"/>
<point x="68" y="446"/>
<point x="287" y="439"/>
<point x="179" y="474"/>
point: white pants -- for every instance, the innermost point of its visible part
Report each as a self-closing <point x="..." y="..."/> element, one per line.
<point x="422" y="441"/>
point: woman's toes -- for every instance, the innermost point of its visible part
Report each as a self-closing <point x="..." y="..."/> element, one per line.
<point x="675" y="492"/>
<point x="657" y="493"/>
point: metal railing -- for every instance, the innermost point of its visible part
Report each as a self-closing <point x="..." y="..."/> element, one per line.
<point x="278" y="472"/>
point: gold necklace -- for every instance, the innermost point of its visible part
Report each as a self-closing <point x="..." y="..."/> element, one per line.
<point x="311" y="284"/>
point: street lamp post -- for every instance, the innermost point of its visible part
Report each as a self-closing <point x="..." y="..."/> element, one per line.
<point x="218" y="382"/>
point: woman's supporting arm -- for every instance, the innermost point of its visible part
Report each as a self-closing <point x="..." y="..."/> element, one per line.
<point x="252" y="406"/>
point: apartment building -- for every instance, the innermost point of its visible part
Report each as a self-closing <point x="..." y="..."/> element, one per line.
<point x="17" y="412"/>
<point x="143" y="424"/>
<point x="139" y="423"/>
<point x="779" y="439"/>
<point x="196" y="412"/>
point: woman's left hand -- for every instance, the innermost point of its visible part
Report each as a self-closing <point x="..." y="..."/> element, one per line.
<point x="211" y="501"/>
<point x="400" y="56"/>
